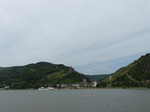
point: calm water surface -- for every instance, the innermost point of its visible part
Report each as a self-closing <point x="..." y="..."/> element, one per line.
<point x="102" y="100"/>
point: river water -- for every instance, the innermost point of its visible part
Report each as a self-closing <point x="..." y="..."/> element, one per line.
<point x="88" y="100"/>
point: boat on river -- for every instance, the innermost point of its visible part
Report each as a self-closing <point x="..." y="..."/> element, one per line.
<point x="48" y="88"/>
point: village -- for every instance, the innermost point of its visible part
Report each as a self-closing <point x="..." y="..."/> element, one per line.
<point x="82" y="84"/>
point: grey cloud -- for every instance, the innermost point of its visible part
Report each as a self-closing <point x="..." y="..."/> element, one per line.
<point x="72" y="32"/>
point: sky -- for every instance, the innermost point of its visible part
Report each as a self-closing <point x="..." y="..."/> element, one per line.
<point x="93" y="36"/>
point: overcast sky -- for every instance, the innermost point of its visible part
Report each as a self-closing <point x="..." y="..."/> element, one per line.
<point x="93" y="36"/>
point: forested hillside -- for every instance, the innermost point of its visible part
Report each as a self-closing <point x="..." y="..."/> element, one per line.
<point x="135" y="74"/>
<point x="37" y="75"/>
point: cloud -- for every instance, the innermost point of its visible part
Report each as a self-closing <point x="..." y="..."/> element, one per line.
<point x="103" y="68"/>
<point x="74" y="32"/>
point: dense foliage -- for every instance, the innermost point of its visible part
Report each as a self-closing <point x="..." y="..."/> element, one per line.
<point x="37" y="75"/>
<point x="133" y="75"/>
<point x="141" y="71"/>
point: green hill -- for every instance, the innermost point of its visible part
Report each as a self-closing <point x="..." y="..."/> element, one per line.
<point x="37" y="75"/>
<point x="135" y="74"/>
<point x="96" y="77"/>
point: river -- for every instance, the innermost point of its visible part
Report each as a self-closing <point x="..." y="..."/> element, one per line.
<point x="87" y="100"/>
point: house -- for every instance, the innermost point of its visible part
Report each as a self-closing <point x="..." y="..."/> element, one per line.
<point x="64" y="85"/>
<point x="6" y="87"/>
<point x="94" y="83"/>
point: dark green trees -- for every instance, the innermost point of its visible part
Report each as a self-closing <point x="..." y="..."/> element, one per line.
<point x="37" y="75"/>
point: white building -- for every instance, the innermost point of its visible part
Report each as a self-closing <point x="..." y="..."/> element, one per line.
<point x="94" y="83"/>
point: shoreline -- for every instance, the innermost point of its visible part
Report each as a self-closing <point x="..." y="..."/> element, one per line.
<point x="83" y="88"/>
<point x="102" y="88"/>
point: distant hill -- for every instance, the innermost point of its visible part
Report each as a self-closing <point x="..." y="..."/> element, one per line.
<point x="96" y="77"/>
<point x="37" y="75"/>
<point x="135" y="74"/>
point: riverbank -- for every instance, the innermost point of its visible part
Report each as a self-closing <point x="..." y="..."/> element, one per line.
<point x="103" y="88"/>
<point x="83" y="88"/>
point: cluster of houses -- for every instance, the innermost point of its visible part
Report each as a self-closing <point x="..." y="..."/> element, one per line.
<point x="79" y="85"/>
